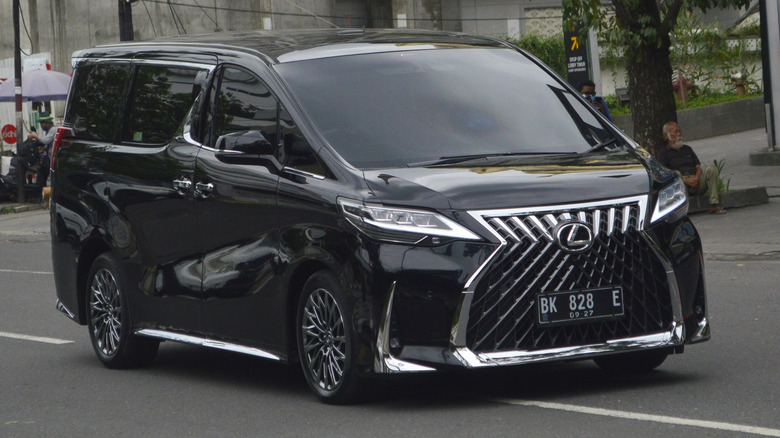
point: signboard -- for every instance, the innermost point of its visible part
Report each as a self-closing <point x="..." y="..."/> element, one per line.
<point x="9" y="134"/>
<point x="577" y="61"/>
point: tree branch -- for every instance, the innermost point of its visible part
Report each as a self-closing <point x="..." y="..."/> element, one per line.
<point x="671" y="16"/>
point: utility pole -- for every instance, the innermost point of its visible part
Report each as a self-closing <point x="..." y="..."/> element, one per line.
<point x="32" y="7"/>
<point x="125" y="21"/>
<point x="770" y="50"/>
<point x="18" y="91"/>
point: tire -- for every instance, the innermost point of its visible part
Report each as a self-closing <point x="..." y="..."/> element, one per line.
<point x="327" y="341"/>
<point x="109" y="321"/>
<point x="634" y="362"/>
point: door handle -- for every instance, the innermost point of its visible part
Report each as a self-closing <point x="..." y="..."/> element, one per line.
<point x="203" y="190"/>
<point x="182" y="185"/>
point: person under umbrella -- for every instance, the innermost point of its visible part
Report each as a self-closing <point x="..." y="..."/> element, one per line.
<point x="47" y="125"/>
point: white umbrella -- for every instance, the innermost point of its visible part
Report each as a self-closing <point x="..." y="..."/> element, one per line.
<point x="37" y="86"/>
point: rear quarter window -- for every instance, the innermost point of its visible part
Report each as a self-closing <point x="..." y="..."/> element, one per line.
<point x="159" y="101"/>
<point x="95" y="103"/>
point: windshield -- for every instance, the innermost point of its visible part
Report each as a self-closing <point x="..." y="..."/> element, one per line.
<point x="395" y="109"/>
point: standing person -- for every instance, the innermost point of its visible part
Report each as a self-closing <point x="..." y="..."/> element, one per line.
<point x="681" y="158"/>
<point x="588" y="90"/>
<point x="47" y="126"/>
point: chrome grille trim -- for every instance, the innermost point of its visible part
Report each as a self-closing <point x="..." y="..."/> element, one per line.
<point x="618" y="219"/>
<point x="670" y="338"/>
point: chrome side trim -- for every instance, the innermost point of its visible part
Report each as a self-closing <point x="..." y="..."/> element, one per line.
<point x="61" y="307"/>
<point x="203" y="66"/>
<point x="384" y="362"/>
<point x="303" y="173"/>
<point x="702" y="332"/>
<point x="664" y="339"/>
<point x="204" y="342"/>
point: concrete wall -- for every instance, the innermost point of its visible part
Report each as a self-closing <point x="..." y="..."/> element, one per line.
<point x="724" y="118"/>
<point x="63" y="26"/>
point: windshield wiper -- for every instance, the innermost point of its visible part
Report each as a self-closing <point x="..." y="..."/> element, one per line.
<point x="461" y="158"/>
<point x="601" y="145"/>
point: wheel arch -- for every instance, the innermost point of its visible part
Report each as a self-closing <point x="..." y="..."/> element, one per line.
<point x="298" y="278"/>
<point x="91" y="250"/>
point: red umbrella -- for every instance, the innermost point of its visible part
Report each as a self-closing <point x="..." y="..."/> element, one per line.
<point x="37" y="86"/>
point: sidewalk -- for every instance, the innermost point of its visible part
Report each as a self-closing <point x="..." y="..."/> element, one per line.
<point x="736" y="149"/>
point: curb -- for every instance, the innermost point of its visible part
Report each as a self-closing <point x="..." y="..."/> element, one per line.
<point x="20" y="208"/>
<point x="765" y="158"/>
<point x="734" y="198"/>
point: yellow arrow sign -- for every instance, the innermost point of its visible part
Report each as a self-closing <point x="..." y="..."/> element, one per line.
<point x="574" y="43"/>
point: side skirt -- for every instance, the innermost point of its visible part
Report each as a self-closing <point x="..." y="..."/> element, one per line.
<point x="204" y="342"/>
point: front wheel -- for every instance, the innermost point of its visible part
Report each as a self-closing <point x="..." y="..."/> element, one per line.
<point x="326" y="341"/>
<point x="110" y="327"/>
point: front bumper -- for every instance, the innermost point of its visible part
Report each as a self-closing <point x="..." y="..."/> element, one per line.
<point x="675" y="250"/>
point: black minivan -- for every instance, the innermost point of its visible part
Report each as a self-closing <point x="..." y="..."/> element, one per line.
<point x="363" y="202"/>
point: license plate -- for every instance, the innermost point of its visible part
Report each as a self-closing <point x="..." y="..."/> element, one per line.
<point x="555" y="308"/>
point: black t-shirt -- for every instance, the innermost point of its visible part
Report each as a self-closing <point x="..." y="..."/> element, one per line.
<point x="683" y="160"/>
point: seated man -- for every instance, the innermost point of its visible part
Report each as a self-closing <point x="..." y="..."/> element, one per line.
<point x="681" y="158"/>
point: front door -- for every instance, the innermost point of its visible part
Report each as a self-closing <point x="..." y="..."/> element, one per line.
<point x="236" y="204"/>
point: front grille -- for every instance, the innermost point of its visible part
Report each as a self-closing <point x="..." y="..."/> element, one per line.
<point x="502" y="314"/>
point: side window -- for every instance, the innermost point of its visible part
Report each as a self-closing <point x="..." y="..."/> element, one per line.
<point x="296" y="151"/>
<point x="96" y="100"/>
<point x="159" y="101"/>
<point x="244" y="103"/>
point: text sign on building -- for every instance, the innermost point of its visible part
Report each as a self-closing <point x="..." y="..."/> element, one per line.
<point x="577" y="63"/>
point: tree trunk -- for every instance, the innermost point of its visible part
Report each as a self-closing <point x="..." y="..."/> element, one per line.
<point x="649" y="75"/>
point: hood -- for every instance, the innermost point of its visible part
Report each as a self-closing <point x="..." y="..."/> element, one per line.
<point x="511" y="183"/>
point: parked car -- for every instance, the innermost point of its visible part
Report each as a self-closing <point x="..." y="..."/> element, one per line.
<point x="363" y="202"/>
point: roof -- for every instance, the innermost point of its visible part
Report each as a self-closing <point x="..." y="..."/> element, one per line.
<point x="295" y="45"/>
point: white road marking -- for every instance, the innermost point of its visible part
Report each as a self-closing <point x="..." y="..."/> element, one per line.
<point x="34" y="338"/>
<point x="13" y="271"/>
<point x="645" y="417"/>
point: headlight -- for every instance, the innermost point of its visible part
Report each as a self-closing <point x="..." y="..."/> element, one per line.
<point x="671" y="199"/>
<point x="400" y="224"/>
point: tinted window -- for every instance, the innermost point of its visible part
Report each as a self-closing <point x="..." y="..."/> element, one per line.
<point x="96" y="101"/>
<point x="160" y="100"/>
<point x="391" y="109"/>
<point x="244" y="103"/>
<point x="296" y="151"/>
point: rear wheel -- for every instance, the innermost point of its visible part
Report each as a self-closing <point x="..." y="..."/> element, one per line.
<point x="109" y="322"/>
<point x="326" y="341"/>
<point x="634" y="362"/>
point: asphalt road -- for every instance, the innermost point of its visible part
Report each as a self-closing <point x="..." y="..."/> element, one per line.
<point x="51" y="385"/>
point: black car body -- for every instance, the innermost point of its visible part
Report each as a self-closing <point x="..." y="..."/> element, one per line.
<point x="364" y="202"/>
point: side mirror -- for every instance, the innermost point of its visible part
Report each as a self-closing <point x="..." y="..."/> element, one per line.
<point x="248" y="142"/>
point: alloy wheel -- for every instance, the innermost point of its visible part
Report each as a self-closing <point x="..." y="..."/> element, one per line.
<point x="324" y="340"/>
<point x="105" y="312"/>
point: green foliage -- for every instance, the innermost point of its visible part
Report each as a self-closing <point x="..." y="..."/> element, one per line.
<point x="637" y="24"/>
<point x="549" y="50"/>
<point x="704" y="53"/>
<point x="723" y="185"/>
<point x="701" y="99"/>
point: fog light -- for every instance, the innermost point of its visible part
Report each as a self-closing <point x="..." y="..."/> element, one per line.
<point x="395" y="343"/>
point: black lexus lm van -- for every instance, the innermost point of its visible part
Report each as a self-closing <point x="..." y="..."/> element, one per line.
<point x="363" y="203"/>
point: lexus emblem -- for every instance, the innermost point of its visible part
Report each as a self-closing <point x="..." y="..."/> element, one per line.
<point x="573" y="236"/>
